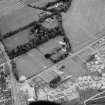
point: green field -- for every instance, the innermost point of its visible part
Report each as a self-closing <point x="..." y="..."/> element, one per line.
<point x="32" y="63"/>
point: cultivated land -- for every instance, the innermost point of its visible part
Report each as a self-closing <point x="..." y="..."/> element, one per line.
<point x="18" y="19"/>
<point x="32" y="63"/>
<point x="83" y="21"/>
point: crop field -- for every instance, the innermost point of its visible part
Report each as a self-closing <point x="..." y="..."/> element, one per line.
<point x="84" y="21"/>
<point x="18" y="19"/>
<point x="32" y="63"/>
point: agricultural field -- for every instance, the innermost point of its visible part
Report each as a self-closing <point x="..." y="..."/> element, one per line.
<point x="31" y="64"/>
<point x="84" y="22"/>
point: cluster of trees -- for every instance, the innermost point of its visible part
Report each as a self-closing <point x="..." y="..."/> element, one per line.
<point x="40" y="36"/>
<point x="54" y="6"/>
<point x="57" y="56"/>
<point x="55" y="82"/>
<point x="58" y="53"/>
<point x="58" y="6"/>
<point x="22" y="49"/>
